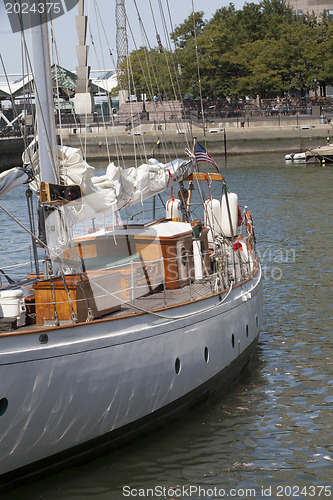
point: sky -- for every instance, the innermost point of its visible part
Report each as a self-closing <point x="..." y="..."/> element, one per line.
<point x="66" y="37"/>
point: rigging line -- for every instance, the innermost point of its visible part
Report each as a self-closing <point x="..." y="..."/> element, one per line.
<point x="171" y="24"/>
<point x="19" y="15"/>
<point x="159" y="315"/>
<point x="155" y="71"/>
<point x="77" y="125"/>
<point x="30" y="206"/>
<point x="166" y="34"/>
<point x="15" y="250"/>
<point x="30" y="94"/>
<point x="150" y="85"/>
<point x="43" y="245"/>
<point x="106" y="93"/>
<point x="131" y="108"/>
<point x="171" y="104"/>
<point x="37" y="98"/>
<point x="202" y="199"/>
<point x="130" y="74"/>
<point x="149" y="89"/>
<point x="175" y="49"/>
<point x="175" y="86"/>
<point x="57" y="85"/>
<point x="119" y="151"/>
<point x="151" y="63"/>
<point x="24" y="130"/>
<point x="98" y="64"/>
<point x="25" y="228"/>
<point x="158" y="38"/>
<point x="198" y="68"/>
<point x="167" y="38"/>
<point x="152" y="12"/>
<point x="15" y="111"/>
<point x="116" y="139"/>
<point x="168" y="64"/>
<point x="142" y="136"/>
<point x="58" y="62"/>
<point x="11" y="94"/>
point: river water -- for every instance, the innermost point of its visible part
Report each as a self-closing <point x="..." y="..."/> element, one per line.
<point x="270" y="436"/>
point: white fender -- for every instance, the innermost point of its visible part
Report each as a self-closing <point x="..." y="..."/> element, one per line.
<point x="233" y="206"/>
<point x="212" y="210"/>
<point x="174" y="210"/>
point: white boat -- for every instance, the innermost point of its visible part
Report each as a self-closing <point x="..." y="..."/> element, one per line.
<point x="314" y="155"/>
<point x="131" y="324"/>
<point x="295" y="157"/>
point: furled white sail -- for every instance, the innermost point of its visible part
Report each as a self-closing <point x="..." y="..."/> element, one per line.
<point x="11" y="179"/>
<point x="117" y="188"/>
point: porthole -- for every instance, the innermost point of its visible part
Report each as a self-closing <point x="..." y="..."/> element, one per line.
<point x="206" y="354"/>
<point x="247" y="330"/>
<point x="3" y="406"/>
<point x="43" y="339"/>
<point x="177" y="366"/>
<point x="233" y="340"/>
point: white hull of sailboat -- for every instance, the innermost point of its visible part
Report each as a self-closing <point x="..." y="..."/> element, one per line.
<point x="91" y="382"/>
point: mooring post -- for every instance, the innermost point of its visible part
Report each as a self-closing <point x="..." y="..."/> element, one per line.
<point x="225" y="143"/>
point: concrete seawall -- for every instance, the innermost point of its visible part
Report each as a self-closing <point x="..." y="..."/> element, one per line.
<point x="236" y="140"/>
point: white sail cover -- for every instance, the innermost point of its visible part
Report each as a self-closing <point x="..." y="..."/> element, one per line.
<point x="11" y="179"/>
<point x="117" y="188"/>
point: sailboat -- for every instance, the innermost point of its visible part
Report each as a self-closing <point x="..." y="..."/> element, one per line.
<point x="126" y="325"/>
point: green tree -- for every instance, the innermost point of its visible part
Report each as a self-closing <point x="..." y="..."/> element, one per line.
<point x="184" y="34"/>
<point x="262" y="49"/>
<point x="148" y="70"/>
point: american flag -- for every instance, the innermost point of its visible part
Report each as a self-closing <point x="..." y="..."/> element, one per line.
<point x="202" y="155"/>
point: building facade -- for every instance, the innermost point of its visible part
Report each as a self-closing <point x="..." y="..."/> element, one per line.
<point x="301" y="7"/>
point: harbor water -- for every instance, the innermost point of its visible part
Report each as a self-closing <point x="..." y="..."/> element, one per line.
<point x="270" y="435"/>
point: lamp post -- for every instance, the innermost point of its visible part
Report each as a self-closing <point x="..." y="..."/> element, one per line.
<point x="143" y="99"/>
<point x="193" y="88"/>
<point x="315" y="88"/>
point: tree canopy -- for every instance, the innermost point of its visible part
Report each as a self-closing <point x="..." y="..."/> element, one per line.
<point x="260" y="50"/>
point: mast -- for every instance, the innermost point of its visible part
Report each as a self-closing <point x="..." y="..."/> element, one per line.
<point x="44" y="100"/>
<point x="47" y="146"/>
<point x="122" y="44"/>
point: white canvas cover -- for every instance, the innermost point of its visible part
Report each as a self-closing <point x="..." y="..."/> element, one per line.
<point x="117" y="188"/>
<point x="11" y="179"/>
